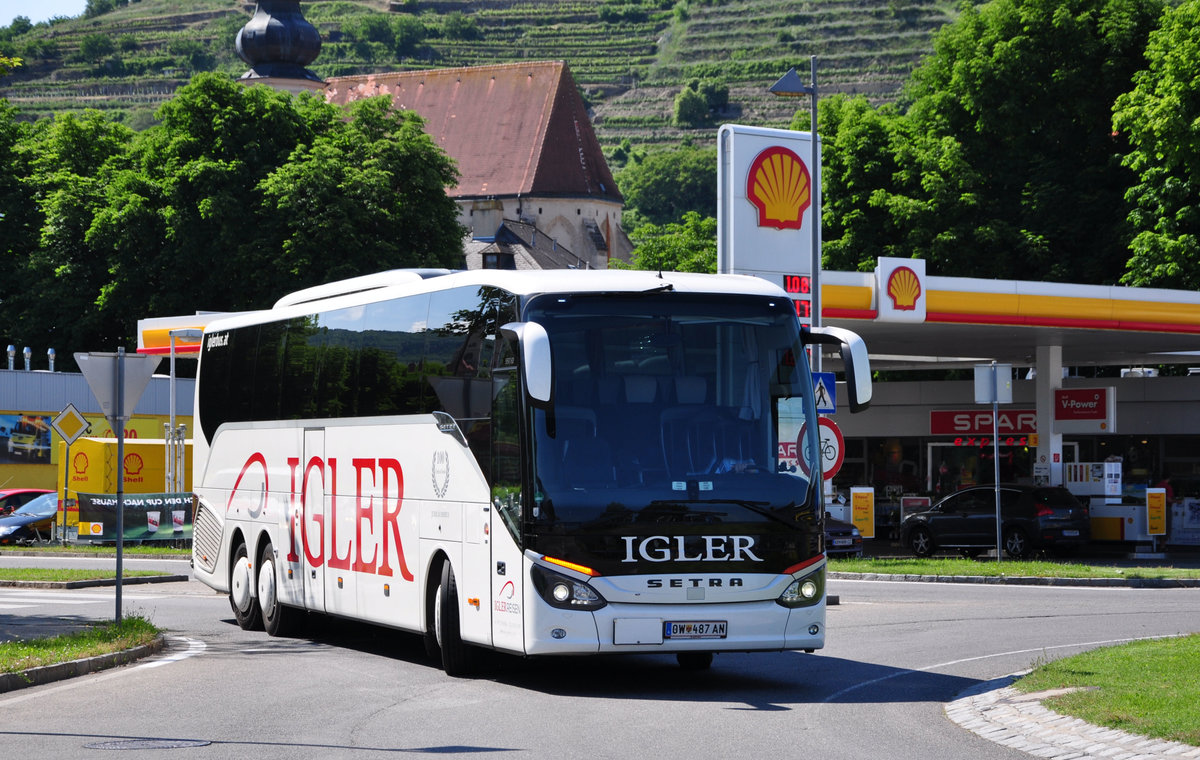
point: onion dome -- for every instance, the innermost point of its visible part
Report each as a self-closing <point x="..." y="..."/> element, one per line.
<point x="278" y="42"/>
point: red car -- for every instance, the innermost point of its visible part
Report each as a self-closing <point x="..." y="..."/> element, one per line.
<point x="11" y="498"/>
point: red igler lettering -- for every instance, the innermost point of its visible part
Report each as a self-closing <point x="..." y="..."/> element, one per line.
<point x="339" y="563"/>
<point x="292" y="556"/>
<point x="314" y="560"/>
<point x="363" y="514"/>
<point x="391" y="525"/>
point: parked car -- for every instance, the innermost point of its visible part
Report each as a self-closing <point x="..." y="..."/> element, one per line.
<point x="1033" y="518"/>
<point x="11" y="498"/>
<point x="30" y="521"/>
<point x="842" y="539"/>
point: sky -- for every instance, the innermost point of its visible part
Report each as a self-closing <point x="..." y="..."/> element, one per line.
<point x="39" y="10"/>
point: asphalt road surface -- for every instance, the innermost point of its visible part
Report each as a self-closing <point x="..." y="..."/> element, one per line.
<point x="897" y="652"/>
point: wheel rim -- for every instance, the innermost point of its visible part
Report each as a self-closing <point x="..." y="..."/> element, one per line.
<point x="266" y="586"/>
<point x="240" y="587"/>
<point x="1016" y="543"/>
<point x="920" y="541"/>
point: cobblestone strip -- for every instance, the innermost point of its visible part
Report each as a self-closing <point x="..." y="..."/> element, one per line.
<point x="1011" y="718"/>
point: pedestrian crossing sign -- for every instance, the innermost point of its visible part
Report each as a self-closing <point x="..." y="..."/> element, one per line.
<point x="825" y="392"/>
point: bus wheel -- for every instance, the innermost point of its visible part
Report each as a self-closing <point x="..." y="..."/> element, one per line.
<point x="248" y="615"/>
<point x="695" y="660"/>
<point x="457" y="656"/>
<point x="278" y="619"/>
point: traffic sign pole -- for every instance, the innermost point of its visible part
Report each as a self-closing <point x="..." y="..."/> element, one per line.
<point x="69" y="424"/>
<point x="106" y="376"/>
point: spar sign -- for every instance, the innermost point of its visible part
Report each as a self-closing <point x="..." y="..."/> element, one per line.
<point x="766" y="197"/>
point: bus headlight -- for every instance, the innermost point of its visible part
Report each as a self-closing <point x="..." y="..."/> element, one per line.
<point x="563" y="592"/>
<point x="804" y="591"/>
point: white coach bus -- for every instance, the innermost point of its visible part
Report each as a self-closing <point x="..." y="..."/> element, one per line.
<point x="551" y="462"/>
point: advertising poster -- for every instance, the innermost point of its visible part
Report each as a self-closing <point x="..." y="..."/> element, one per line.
<point x="1156" y="511"/>
<point x="148" y="516"/>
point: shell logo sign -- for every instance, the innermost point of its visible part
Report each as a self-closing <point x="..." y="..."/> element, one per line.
<point x="904" y="288"/>
<point x="901" y="291"/>
<point x="779" y="186"/>
<point x="768" y="205"/>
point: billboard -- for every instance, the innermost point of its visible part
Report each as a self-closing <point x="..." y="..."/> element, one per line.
<point x="146" y="516"/>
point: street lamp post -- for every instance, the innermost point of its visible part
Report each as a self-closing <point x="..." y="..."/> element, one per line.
<point x="790" y="85"/>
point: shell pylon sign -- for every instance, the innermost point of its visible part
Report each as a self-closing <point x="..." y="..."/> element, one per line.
<point x="767" y="197"/>
<point x="779" y="186"/>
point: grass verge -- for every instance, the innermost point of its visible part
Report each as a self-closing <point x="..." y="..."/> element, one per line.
<point x="102" y="638"/>
<point x="101" y="549"/>
<point x="1144" y="687"/>
<point x="1006" y="569"/>
<point x="60" y="575"/>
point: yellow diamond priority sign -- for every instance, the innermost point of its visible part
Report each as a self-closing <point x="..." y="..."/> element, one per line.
<point x="69" y="424"/>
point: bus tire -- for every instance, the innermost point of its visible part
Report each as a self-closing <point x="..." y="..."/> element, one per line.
<point x="432" y="591"/>
<point x="278" y="619"/>
<point x="241" y="598"/>
<point x="694" y="660"/>
<point x="457" y="656"/>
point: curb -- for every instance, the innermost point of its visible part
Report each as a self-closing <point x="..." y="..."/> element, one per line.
<point x="1021" y="580"/>
<point x="999" y="713"/>
<point x="94" y="583"/>
<point x="63" y="670"/>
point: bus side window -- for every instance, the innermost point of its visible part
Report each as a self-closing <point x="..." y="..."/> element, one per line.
<point x="507" y="496"/>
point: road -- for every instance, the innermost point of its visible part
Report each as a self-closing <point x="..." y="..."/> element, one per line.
<point x="897" y="653"/>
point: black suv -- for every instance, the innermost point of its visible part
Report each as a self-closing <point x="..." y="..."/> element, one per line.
<point x="1033" y="518"/>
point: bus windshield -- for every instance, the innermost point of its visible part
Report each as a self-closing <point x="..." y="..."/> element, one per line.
<point x="672" y="414"/>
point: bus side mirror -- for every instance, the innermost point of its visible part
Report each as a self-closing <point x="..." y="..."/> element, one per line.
<point x="854" y="358"/>
<point x="537" y="371"/>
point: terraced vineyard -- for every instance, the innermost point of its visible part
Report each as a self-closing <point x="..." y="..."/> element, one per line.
<point x="630" y="59"/>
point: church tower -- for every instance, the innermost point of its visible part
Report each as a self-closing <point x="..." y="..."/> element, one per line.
<point x="278" y="42"/>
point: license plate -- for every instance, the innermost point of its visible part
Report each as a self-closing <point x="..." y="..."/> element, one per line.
<point x="843" y="541"/>
<point x="1071" y="533"/>
<point x="707" y="629"/>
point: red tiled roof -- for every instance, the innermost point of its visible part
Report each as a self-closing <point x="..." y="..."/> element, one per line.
<point x="518" y="128"/>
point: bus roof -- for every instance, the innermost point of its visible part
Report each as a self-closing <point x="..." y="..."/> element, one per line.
<point x="401" y="282"/>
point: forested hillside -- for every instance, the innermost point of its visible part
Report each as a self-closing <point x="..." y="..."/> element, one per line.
<point x="630" y="57"/>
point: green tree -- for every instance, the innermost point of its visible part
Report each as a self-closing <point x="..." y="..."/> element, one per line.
<point x="459" y="26"/>
<point x="860" y="147"/>
<point x="1159" y="118"/>
<point x="664" y="185"/>
<point x="689" y="245"/>
<point x="373" y="188"/>
<point x="1005" y="162"/>
<point x="238" y="196"/>
<point x="60" y="278"/>
<point x="409" y="32"/>
<point x="19" y="218"/>
<point x="691" y="109"/>
<point x="96" y="47"/>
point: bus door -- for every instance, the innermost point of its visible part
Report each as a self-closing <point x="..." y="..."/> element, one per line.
<point x="476" y="559"/>
<point x="315" y="509"/>
<point x="507" y="573"/>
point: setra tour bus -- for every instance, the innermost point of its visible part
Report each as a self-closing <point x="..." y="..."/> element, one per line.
<point x="539" y="463"/>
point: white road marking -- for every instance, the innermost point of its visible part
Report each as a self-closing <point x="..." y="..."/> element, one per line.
<point x="194" y="647"/>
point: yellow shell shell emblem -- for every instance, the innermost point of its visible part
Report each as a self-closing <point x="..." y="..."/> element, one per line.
<point x="779" y="186"/>
<point x="904" y="287"/>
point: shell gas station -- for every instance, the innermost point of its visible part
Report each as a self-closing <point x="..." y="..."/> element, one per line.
<point x="1089" y="407"/>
